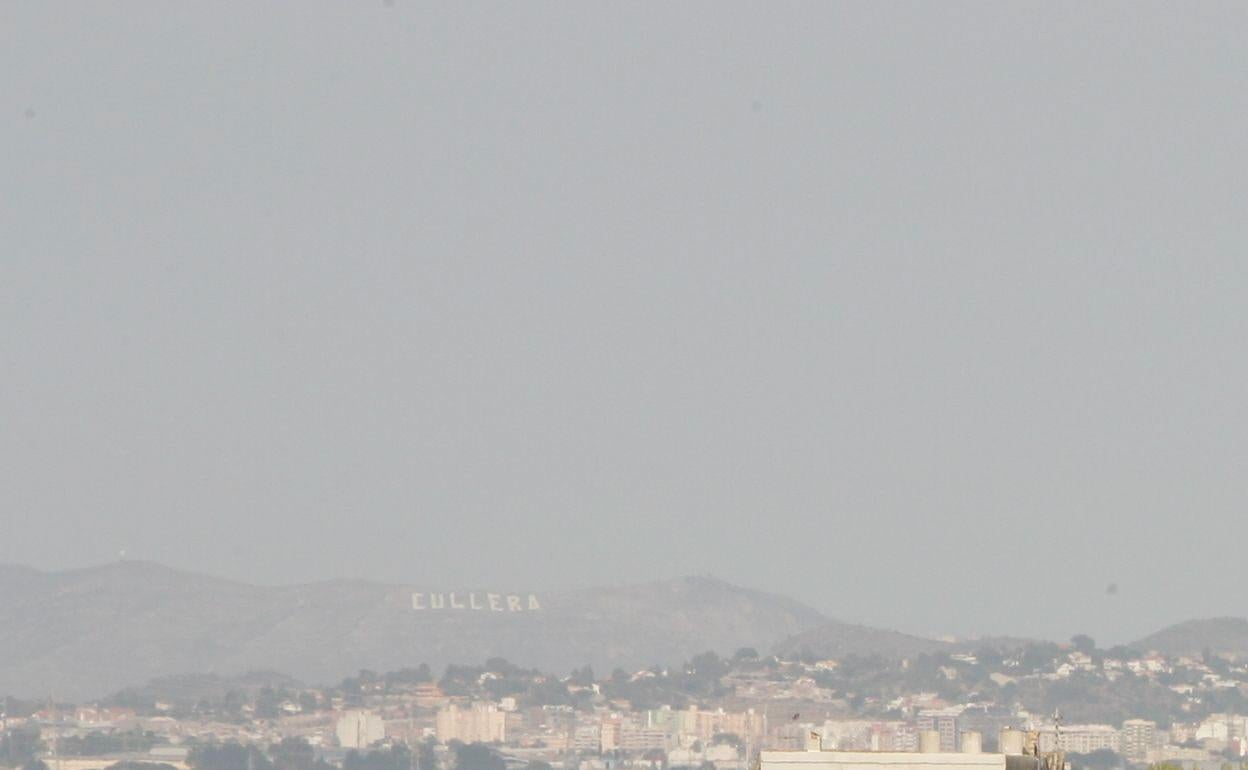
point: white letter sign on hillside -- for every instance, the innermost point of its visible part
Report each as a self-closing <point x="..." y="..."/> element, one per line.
<point x="475" y="601"/>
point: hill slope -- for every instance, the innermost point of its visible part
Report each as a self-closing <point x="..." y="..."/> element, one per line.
<point x="83" y="633"/>
<point x="1192" y="637"/>
<point x="835" y="639"/>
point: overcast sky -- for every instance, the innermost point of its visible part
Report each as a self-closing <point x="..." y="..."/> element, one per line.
<point x="932" y="315"/>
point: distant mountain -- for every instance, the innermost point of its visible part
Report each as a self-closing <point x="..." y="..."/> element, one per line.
<point x="1219" y="635"/>
<point x="835" y="639"/>
<point x="83" y="633"/>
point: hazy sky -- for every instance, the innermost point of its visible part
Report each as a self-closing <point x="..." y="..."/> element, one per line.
<point x="932" y="315"/>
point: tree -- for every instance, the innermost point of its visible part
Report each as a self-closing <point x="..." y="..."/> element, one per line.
<point x="99" y="743"/>
<point x="501" y="666"/>
<point x="234" y="702"/>
<point x="228" y="756"/>
<point x="293" y="754"/>
<point x="548" y="691"/>
<point x="702" y="674"/>
<point x="989" y="657"/>
<point x="13" y="708"/>
<point x="745" y="653"/>
<point x="459" y="680"/>
<point x="583" y="676"/>
<point x="1101" y="759"/>
<point x="19" y="746"/>
<point x="308" y="702"/>
<point x="1039" y="655"/>
<point x="425" y="757"/>
<point x="474" y="756"/>
<point x="394" y="758"/>
<point x="1083" y="643"/>
<point x="416" y="675"/>
<point x="268" y="703"/>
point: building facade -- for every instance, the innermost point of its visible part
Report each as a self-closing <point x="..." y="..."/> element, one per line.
<point x="479" y="723"/>
<point x="359" y="729"/>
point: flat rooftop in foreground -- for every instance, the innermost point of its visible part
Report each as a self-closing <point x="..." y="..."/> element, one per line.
<point x="876" y="760"/>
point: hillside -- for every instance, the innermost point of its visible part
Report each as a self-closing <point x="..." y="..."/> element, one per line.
<point x="835" y="639"/>
<point x="83" y="633"/>
<point x="1226" y="635"/>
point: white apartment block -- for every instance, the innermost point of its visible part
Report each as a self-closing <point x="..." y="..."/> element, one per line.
<point x="1137" y="738"/>
<point x="1081" y="739"/>
<point x="480" y="723"/>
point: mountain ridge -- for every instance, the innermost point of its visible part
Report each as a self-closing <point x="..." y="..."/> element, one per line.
<point x="88" y="631"/>
<point x="1226" y="634"/>
<point x="85" y="632"/>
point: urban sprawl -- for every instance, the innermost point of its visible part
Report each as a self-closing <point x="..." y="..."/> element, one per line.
<point x="1103" y="708"/>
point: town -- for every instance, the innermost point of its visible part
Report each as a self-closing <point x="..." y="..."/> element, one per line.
<point x="1102" y="708"/>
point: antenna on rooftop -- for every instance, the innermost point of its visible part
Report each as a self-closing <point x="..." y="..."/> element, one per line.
<point x="1056" y="759"/>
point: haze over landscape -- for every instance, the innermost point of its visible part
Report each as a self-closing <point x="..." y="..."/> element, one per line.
<point x="839" y="385"/>
<point x="92" y="632"/>
<point x="927" y="317"/>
